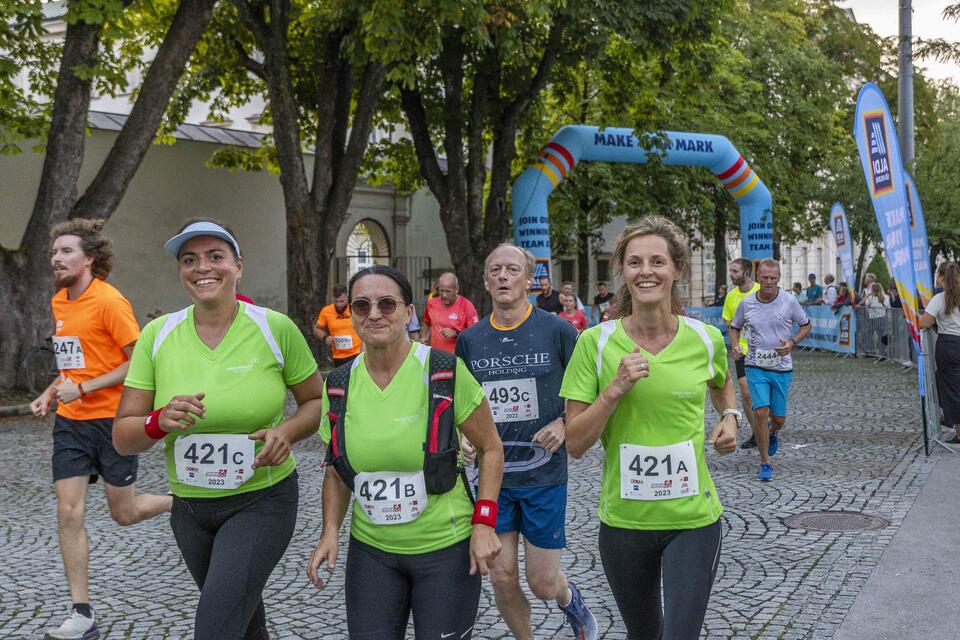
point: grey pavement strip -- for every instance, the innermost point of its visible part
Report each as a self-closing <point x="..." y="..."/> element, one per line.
<point x="851" y="443"/>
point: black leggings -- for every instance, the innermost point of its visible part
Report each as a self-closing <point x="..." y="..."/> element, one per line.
<point x="382" y="588"/>
<point x="231" y="546"/>
<point x="686" y="560"/>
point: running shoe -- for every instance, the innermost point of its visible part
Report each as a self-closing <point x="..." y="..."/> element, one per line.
<point x="749" y="443"/>
<point x="75" y="627"/>
<point x="774" y="444"/>
<point x="582" y="622"/>
<point x="766" y="473"/>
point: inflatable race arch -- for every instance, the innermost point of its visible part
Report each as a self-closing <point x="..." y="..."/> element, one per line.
<point x="576" y="143"/>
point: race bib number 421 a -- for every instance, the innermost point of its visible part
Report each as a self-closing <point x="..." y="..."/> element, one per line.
<point x="214" y="461"/>
<point x="658" y="473"/>
<point x="513" y="400"/>
<point x="391" y="497"/>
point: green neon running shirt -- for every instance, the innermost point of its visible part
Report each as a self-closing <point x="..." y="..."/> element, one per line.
<point x="385" y="431"/>
<point x="663" y="409"/>
<point x="243" y="379"/>
<point x="730" y="304"/>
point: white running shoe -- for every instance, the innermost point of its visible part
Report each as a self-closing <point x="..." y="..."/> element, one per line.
<point x="75" y="627"/>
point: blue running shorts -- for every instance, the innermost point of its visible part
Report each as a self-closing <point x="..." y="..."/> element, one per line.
<point x="769" y="389"/>
<point x="539" y="513"/>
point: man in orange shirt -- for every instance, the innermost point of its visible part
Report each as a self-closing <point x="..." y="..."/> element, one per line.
<point x="447" y="315"/>
<point x="94" y="336"/>
<point x="335" y="327"/>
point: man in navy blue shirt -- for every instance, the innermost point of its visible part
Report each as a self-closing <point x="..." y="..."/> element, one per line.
<point x="518" y="354"/>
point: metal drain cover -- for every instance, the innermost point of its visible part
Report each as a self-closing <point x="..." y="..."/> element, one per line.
<point x="836" y="521"/>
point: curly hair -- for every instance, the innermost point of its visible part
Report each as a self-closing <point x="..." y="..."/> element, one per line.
<point x="679" y="248"/>
<point x="92" y="242"/>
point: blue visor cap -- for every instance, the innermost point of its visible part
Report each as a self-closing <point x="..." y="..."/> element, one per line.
<point x="174" y="244"/>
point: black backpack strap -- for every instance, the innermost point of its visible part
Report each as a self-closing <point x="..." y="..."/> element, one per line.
<point x="338" y="381"/>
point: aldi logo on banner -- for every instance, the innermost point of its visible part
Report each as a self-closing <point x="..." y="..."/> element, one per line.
<point x="875" y="126"/>
<point x="838" y="232"/>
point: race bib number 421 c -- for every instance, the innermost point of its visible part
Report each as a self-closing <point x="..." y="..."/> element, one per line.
<point x="658" y="473"/>
<point x="214" y="461"/>
<point x="513" y="400"/>
<point x="391" y="497"/>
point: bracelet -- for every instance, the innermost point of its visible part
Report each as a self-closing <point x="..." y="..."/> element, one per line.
<point x="151" y="426"/>
<point x="80" y="389"/>
<point x="485" y="512"/>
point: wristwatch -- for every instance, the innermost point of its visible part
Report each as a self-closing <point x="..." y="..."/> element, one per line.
<point x="735" y="413"/>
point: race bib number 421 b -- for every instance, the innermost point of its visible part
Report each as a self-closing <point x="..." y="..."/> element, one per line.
<point x="214" y="461"/>
<point x="513" y="400"/>
<point x="391" y="497"/>
<point x="658" y="473"/>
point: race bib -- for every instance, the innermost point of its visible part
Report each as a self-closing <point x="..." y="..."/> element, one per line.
<point x="658" y="473"/>
<point x="343" y="343"/>
<point x="69" y="352"/>
<point x="390" y="497"/>
<point x="513" y="400"/>
<point x="767" y="358"/>
<point x="214" y="461"/>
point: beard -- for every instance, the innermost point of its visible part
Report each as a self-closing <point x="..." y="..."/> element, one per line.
<point x="339" y="309"/>
<point x="63" y="280"/>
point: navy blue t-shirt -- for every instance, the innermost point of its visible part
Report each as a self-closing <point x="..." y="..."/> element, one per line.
<point x="521" y="370"/>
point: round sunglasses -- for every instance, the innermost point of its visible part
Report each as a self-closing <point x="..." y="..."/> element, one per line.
<point x="361" y="306"/>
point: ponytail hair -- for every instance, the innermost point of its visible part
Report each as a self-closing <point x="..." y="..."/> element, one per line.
<point x="678" y="247"/>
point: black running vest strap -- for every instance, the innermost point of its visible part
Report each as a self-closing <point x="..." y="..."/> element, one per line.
<point x="440" y="447"/>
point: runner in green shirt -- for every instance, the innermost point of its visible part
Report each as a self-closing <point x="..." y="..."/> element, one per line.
<point x="409" y="550"/>
<point x="741" y="275"/>
<point x="638" y="384"/>
<point x="210" y="381"/>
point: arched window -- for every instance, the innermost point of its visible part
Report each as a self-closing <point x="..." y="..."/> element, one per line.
<point x="367" y="245"/>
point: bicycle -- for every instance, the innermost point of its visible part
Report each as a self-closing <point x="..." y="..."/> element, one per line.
<point x="39" y="367"/>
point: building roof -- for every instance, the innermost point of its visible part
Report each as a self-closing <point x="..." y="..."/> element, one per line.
<point x="192" y="132"/>
<point x="54" y="10"/>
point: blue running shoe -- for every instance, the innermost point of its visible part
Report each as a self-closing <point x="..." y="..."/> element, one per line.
<point x="766" y="473"/>
<point x="774" y="444"/>
<point x="582" y="622"/>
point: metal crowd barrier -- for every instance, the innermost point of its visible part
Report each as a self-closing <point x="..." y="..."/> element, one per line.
<point x="883" y="333"/>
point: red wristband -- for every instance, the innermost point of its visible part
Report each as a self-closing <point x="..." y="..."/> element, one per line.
<point x="485" y="512"/>
<point x="151" y="425"/>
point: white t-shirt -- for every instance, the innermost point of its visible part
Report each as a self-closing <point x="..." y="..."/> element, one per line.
<point x="946" y="323"/>
<point x="829" y="294"/>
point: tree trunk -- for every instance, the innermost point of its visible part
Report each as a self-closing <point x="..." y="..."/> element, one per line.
<point x="719" y="247"/>
<point x="583" y="258"/>
<point x="861" y="259"/>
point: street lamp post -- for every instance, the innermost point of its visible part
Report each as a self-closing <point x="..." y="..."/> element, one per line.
<point x="905" y="93"/>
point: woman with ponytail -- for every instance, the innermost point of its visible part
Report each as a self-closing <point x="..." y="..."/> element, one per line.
<point x="943" y="313"/>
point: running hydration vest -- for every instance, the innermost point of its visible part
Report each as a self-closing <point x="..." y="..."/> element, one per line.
<point x="440" y="447"/>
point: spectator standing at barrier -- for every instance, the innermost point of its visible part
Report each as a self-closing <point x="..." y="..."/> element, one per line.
<point x="570" y="312"/>
<point x="447" y="315"/>
<point x="868" y="280"/>
<point x="548" y="299"/>
<point x="769" y="316"/>
<point x="943" y="313"/>
<point x="335" y="327"/>
<point x="876" y="304"/>
<point x="638" y="385"/>
<point x="830" y="292"/>
<point x="844" y="298"/>
<point x="798" y="291"/>
<point x="741" y="275"/>
<point x="894" y="295"/>
<point x="814" y="292"/>
<point x="720" y="296"/>
<point x="567" y="289"/>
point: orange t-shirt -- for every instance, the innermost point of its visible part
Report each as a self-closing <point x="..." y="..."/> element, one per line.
<point x="89" y="337"/>
<point x="340" y="326"/>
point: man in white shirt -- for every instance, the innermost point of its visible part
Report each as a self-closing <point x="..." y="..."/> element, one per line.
<point x="829" y="290"/>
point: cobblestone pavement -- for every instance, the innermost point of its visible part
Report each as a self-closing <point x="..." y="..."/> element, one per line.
<point x="852" y="443"/>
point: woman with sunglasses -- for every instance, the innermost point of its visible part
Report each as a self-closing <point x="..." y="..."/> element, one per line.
<point x="425" y="560"/>
<point x="210" y="381"/>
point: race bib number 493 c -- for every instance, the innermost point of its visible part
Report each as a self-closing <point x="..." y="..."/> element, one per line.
<point x="214" y="461"/>
<point x="391" y="497"/>
<point x="513" y="400"/>
<point x="69" y="352"/>
<point x="658" y="473"/>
